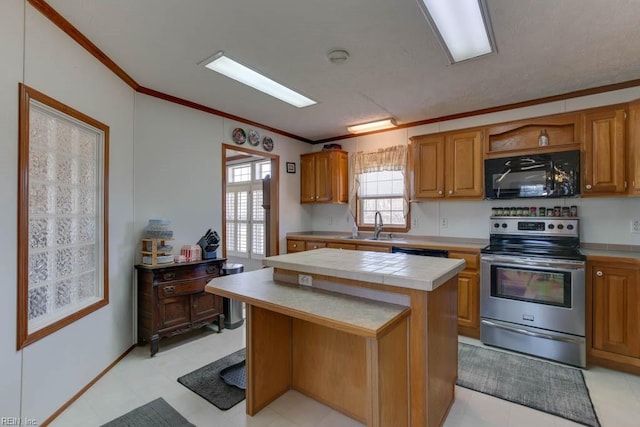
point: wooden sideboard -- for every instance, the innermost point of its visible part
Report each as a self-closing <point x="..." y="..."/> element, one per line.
<point x="172" y="301"/>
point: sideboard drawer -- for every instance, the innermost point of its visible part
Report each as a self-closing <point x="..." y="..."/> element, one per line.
<point x="173" y="289"/>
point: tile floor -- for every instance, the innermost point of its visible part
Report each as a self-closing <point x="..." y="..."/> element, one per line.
<point x="138" y="379"/>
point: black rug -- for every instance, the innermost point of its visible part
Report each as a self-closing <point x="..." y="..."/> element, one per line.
<point x="544" y="386"/>
<point x="157" y="413"/>
<point x="207" y="383"/>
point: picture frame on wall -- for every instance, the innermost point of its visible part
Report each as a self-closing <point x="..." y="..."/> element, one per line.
<point x="291" y="167"/>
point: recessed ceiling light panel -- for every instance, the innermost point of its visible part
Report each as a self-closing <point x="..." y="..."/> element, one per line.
<point x="463" y="27"/>
<point x="236" y="71"/>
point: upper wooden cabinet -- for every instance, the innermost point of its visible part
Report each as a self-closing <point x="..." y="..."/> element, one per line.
<point x="523" y="136"/>
<point x="603" y="154"/>
<point x="323" y="177"/>
<point x="633" y="149"/>
<point x="448" y="165"/>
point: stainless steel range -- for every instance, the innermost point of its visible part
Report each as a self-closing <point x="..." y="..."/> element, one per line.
<point x="532" y="288"/>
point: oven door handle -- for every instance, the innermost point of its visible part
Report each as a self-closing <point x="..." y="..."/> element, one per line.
<point x="528" y="262"/>
<point x="529" y="333"/>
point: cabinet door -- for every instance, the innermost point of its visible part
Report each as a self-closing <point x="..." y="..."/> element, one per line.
<point x="468" y="300"/>
<point x="428" y="157"/>
<point x="464" y="160"/>
<point x="604" y="170"/>
<point x="308" y="246"/>
<point x="204" y="305"/>
<point x="634" y="149"/>
<point x="616" y="309"/>
<point x="307" y="179"/>
<point x="295" y="246"/>
<point x="341" y="176"/>
<point x="323" y="176"/>
<point x="174" y="312"/>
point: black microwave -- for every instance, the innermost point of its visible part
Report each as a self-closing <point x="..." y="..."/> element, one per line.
<point x="539" y="175"/>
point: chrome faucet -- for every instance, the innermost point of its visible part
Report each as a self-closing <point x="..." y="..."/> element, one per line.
<point x="377" y="228"/>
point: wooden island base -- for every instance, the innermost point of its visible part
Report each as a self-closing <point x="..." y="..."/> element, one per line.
<point x="363" y="377"/>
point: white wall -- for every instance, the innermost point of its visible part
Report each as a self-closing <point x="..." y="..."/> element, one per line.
<point x="11" y="31"/>
<point x="178" y="164"/>
<point x="603" y="220"/>
<point x="38" y="380"/>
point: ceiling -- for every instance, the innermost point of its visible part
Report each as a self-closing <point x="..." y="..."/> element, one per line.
<point x="396" y="68"/>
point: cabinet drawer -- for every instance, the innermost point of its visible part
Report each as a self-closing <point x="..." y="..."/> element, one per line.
<point x="295" y="246"/>
<point x="166" y="290"/>
<point x="346" y="246"/>
<point x="314" y="245"/>
<point x="472" y="260"/>
<point x="188" y="272"/>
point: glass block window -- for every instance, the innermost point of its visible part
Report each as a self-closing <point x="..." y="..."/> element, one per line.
<point x="62" y="216"/>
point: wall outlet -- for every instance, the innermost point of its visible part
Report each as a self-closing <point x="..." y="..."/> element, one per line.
<point x="444" y="222"/>
<point x="635" y="225"/>
<point x="305" y="280"/>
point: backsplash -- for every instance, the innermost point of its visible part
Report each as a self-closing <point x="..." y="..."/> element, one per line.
<point x="603" y="220"/>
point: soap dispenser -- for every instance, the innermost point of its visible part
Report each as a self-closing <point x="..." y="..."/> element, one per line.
<point x="354" y="230"/>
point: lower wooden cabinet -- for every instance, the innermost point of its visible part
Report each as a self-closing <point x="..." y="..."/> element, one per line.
<point x="468" y="294"/>
<point x="613" y="308"/>
<point x="172" y="301"/>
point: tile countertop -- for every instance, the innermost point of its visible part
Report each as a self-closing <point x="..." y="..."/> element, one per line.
<point x="401" y="270"/>
<point x="435" y="242"/>
<point x="257" y="287"/>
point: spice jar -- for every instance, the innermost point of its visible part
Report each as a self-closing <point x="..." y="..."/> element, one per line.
<point x="565" y="211"/>
<point x="532" y="211"/>
<point x="557" y="211"/>
<point x="542" y="211"/>
<point x="573" y="211"/>
<point x="549" y="211"/>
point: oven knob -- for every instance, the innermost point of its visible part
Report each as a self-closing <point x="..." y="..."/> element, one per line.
<point x="560" y="226"/>
<point x="504" y="225"/>
<point x="496" y="225"/>
<point x="569" y="227"/>
<point x="551" y="227"/>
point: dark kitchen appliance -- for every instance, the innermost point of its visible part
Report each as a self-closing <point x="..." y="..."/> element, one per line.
<point x="421" y="252"/>
<point x="532" y="288"/>
<point x="209" y="242"/>
<point x="541" y="175"/>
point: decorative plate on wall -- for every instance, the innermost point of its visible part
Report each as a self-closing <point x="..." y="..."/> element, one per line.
<point x="267" y="143"/>
<point x="239" y="136"/>
<point x="254" y="137"/>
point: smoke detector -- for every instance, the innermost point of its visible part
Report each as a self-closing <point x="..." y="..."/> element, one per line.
<point x="338" y="56"/>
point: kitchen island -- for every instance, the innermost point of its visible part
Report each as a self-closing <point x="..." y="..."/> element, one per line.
<point x="374" y="336"/>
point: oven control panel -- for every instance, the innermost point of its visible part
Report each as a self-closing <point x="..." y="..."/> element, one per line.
<point x="535" y="226"/>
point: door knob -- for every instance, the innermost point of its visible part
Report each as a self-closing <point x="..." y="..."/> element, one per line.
<point x="599" y="273"/>
<point x="588" y="186"/>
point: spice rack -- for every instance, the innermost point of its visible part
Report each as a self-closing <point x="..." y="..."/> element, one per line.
<point x="156" y="255"/>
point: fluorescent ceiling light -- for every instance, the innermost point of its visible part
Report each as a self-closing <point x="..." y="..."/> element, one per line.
<point x="462" y="26"/>
<point x="368" y="127"/>
<point x="234" y="70"/>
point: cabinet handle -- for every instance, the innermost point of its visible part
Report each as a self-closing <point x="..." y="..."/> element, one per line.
<point x="450" y="191"/>
<point x="588" y="186"/>
<point x="295" y="245"/>
<point x="440" y="192"/>
<point x="169" y="289"/>
<point x="212" y="269"/>
<point x="169" y="276"/>
<point x="599" y="273"/>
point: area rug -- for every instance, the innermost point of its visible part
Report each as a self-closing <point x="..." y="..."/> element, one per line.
<point x="207" y="383"/>
<point x="544" y="386"/>
<point x="157" y="413"/>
